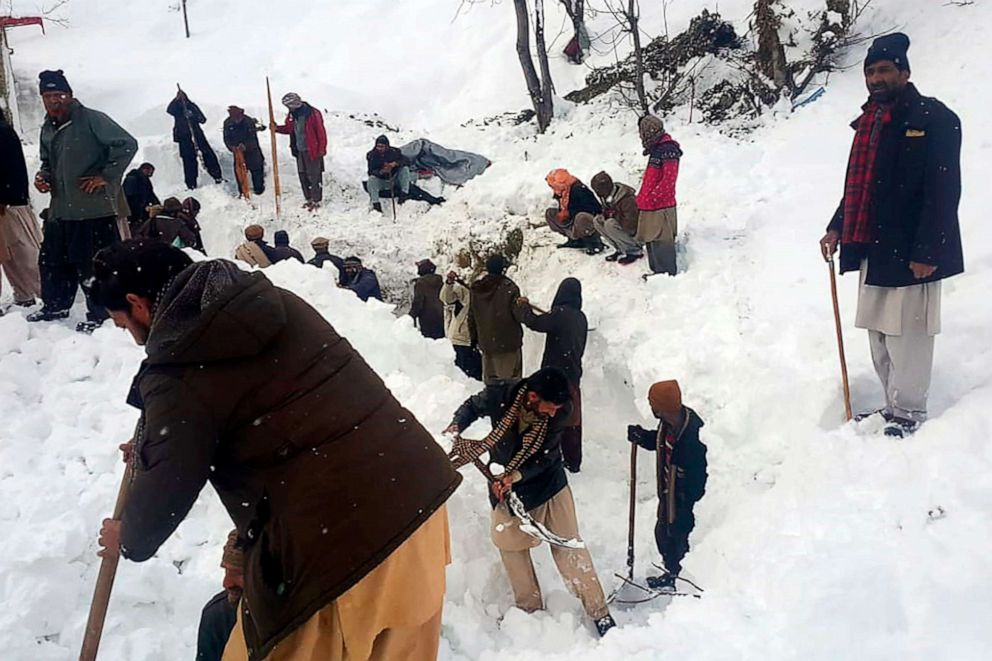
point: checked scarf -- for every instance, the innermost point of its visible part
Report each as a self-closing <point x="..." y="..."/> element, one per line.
<point x="465" y="451"/>
<point x="861" y="172"/>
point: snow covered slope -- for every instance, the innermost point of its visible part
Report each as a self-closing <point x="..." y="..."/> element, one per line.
<point x="816" y="540"/>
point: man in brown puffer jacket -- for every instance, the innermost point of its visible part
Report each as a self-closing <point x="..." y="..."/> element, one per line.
<point x="247" y="386"/>
<point x="494" y="323"/>
<point x="618" y="222"/>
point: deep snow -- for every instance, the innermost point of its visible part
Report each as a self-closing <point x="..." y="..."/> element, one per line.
<point x="816" y="540"/>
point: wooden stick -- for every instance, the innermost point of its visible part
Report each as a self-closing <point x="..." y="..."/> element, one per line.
<point x="840" y="341"/>
<point x="241" y="173"/>
<point x="633" y="507"/>
<point x="104" y="584"/>
<point x="277" y="188"/>
<point x="185" y="19"/>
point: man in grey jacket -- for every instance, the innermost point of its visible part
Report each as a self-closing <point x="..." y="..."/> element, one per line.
<point x="83" y="157"/>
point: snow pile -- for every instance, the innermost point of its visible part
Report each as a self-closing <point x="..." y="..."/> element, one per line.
<point x="816" y="540"/>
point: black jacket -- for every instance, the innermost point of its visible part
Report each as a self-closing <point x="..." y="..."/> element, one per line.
<point x="377" y="161"/>
<point x="566" y="326"/>
<point x="140" y="193"/>
<point x="187" y="118"/>
<point x="245" y="133"/>
<point x="322" y="256"/>
<point x="493" y="315"/>
<point x="365" y="284"/>
<point x="689" y="459"/>
<point x="914" y="211"/>
<point x="216" y="623"/>
<point x="580" y="199"/>
<point x="13" y="169"/>
<point x="427" y="308"/>
<point x="543" y="475"/>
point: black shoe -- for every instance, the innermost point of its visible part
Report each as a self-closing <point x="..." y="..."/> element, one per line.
<point x="864" y="415"/>
<point x="88" y="327"/>
<point x="664" y="582"/>
<point x="595" y="249"/>
<point x="48" y="315"/>
<point x="218" y="180"/>
<point x="901" y="427"/>
<point x="630" y="259"/>
<point x="604" y="624"/>
<point x="377" y="207"/>
<point x="571" y="469"/>
<point x="573" y="243"/>
<point x="614" y="257"/>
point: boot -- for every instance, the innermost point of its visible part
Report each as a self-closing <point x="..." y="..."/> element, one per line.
<point x="376" y="206"/>
<point x="45" y="314"/>
<point x="614" y="257"/>
<point x="901" y="427"/>
<point x="864" y="415"/>
<point x="593" y="245"/>
<point x="88" y="327"/>
<point x="573" y="243"/>
<point x="664" y="582"/>
<point x="630" y="259"/>
<point x="604" y="624"/>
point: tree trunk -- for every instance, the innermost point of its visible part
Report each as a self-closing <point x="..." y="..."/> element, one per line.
<point x="546" y="110"/>
<point x="771" y="53"/>
<point x="633" y="11"/>
<point x="576" y="10"/>
<point x="542" y="102"/>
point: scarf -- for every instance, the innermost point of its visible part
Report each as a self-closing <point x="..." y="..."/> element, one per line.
<point x="860" y="173"/>
<point x="561" y="182"/>
<point x="465" y="451"/>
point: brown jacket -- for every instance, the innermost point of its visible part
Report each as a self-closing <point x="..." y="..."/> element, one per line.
<point x="622" y="205"/>
<point x="427" y="308"/>
<point x="492" y="317"/>
<point x="321" y="469"/>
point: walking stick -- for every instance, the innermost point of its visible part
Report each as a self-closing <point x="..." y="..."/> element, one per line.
<point x="197" y="149"/>
<point x="277" y="188"/>
<point x="392" y="192"/>
<point x="633" y="507"/>
<point x="104" y="584"/>
<point x="840" y="340"/>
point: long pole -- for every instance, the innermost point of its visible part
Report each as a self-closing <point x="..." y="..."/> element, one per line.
<point x="840" y="340"/>
<point x="275" y="155"/>
<point x="632" y="509"/>
<point x="104" y="584"/>
<point x="185" y="19"/>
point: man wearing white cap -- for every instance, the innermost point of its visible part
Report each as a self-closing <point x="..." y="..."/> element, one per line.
<point x="308" y="143"/>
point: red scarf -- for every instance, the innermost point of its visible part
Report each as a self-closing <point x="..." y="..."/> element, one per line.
<point x="861" y="172"/>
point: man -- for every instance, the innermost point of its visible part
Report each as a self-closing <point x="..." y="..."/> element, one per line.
<point x="456" y="297"/>
<point x="898" y="225"/>
<point x="20" y="237"/>
<point x="388" y="171"/>
<point x="220" y="614"/>
<point x="83" y="156"/>
<point x="360" y="280"/>
<point x="322" y="254"/>
<point x="577" y="206"/>
<point x="657" y="225"/>
<point x="618" y="222"/>
<point x="566" y="327"/>
<point x="427" y="310"/>
<point x="526" y="416"/>
<point x="282" y="250"/>
<point x="186" y="131"/>
<point x="241" y="134"/>
<point x="248" y="387"/>
<point x="167" y="226"/>
<point x="308" y="144"/>
<point x="255" y="251"/>
<point x="140" y="195"/>
<point x="189" y="215"/>
<point x="494" y="323"/>
<point x="681" y="474"/>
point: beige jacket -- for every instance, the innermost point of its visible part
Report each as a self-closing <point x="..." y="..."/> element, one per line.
<point x="456" y="298"/>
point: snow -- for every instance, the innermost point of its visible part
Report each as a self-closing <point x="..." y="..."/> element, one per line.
<point x="816" y="539"/>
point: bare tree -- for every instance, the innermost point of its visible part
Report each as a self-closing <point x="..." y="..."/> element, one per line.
<point x="578" y="47"/>
<point x="627" y="14"/>
<point x="540" y="88"/>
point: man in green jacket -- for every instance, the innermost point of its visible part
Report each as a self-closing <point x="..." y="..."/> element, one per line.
<point x="83" y="157"/>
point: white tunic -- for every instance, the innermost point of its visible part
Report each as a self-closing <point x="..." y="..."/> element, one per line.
<point x="887" y="309"/>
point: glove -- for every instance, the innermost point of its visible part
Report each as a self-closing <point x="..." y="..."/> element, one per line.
<point x="638" y="434"/>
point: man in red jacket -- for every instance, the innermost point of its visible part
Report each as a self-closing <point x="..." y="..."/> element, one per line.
<point x="308" y="144"/>
<point x="657" y="224"/>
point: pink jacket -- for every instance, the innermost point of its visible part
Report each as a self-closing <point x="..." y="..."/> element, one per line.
<point x="658" y="185"/>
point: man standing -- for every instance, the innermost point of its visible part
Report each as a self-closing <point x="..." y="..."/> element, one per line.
<point x="83" y="156"/>
<point x="241" y="133"/>
<point x="388" y="171"/>
<point x="566" y="327"/>
<point x="457" y="299"/>
<point x="186" y="131"/>
<point x="248" y="387"/>
<point x="681" y="474"/>
<point x="657" y="225"/>
<point x="527" y="417"/>
<point x="494" y="322"/>
<point x="308" y="144"/>
<point x="898" y="225"/>
<point x="618" y="222"/>
<point x="427" y="309"/>
<point x="140" y="195"/>
<point x="19" y="234"/>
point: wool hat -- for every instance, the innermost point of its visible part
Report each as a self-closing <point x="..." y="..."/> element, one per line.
<point x="234" y="556"/>
<point x="425" y="266"/>
<point x="320" y="242"/>
<point x="665" y="397"/>
<point x="292" y="100"/>
<point x="602" y="184"/>
<point x="235" y="111"/>
<point x="352" y="261"/>
<point x="382" y="140"/>
<point x="550" y="384"/>
<point x="53" y="81"/>
<point x="253" y="232"/>
<point x="890" y="47"/>
<point x="496" y="264"/>
<point x="650" y="129"/>
<point x="171" y="206"/>
<point x="281" y="238"/>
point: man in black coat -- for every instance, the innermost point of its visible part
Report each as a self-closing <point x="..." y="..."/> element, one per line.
<point x="186" y="131"/>
<point x="426" y="308"/>
<point x="681" y="472"/>
<point x="898" y="225"/>
<point x="241" y="132"/>
<point x="283" y="250"/>
<point x="530" y="413"/>
<point x="566" y="327"/>
<point x="322" y="253"/>
<point x="140" y="194"/>
<point x="389" y="170"/>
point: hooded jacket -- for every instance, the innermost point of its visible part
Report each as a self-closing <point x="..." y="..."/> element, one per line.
<point x="427" y="308"/>
<point x="621" y="204"/>
<point x="248" y="387"/>
<point x="566" y="327"/>
<point x="493" y="320"/>
<point x="365" y="284"/>
<point x="282" y="250"/>
<point x="140" y="194"/>
<point x="377" y="161"/>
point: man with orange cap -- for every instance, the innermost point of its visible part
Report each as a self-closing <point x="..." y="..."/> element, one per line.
<point x="681" y="470"/>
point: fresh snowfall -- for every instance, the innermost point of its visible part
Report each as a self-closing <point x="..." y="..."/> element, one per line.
<point x="817" y="539"/>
